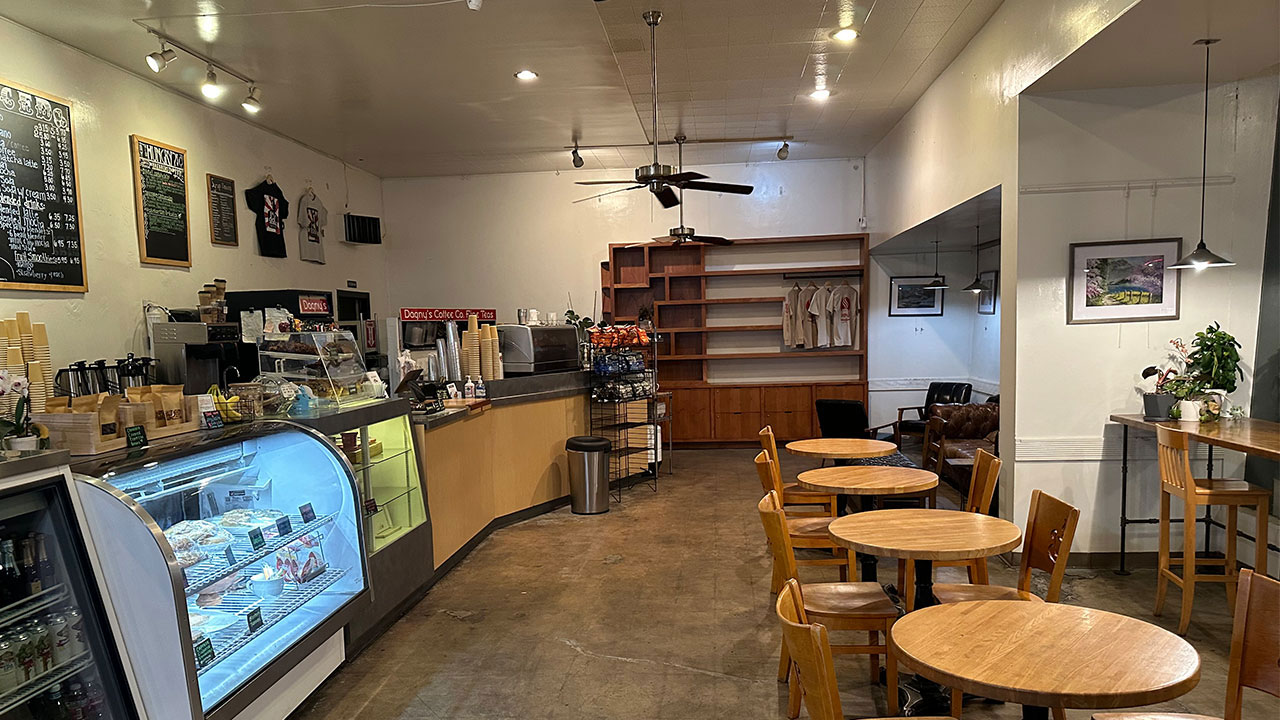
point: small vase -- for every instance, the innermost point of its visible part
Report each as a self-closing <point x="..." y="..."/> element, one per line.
<point x="26" y="442"/>
<point x="1189" y="410"/>
<point x="1156" y="406"/>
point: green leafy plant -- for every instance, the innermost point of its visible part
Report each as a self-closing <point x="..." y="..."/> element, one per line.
<point x="578" y="321"/>
<point x="20" y="425"/>
<point x="1214" y="359"/>
<point x="1183" y="387"/>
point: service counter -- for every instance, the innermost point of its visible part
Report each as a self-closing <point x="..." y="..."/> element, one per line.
<point x="489" y="467"/>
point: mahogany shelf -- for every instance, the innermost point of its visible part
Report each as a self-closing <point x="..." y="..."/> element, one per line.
<point x="720" y="301"/>
<point x="721" y="328"/>
<point x="759" y="355"/>
<point x="849" y="269"/>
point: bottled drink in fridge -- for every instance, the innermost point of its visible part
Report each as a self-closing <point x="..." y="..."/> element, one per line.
<point x="8" y="664"/>
<point x="76" y="702"/>
<point x="96" y="702"/>
<point x="30" y="573"/>
<point x="55" y="707"/>
<point x="44" y="566"/>
<point x="11" y="585"/>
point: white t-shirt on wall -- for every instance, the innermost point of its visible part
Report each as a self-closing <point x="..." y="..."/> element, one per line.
<point x="821" y="315"/>
<point x="789" y="335"/>
<point x="806" y="330"/>
<point x="843" y="306"/>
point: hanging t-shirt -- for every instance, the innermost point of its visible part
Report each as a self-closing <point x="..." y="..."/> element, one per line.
<point x="268" y="203"/>
<point x="789" y="303"/>
<point x="806" y="328"/>
<point x="843" y="305"/>
<point x="312" y="217"/>
<point x="821" y="316"/>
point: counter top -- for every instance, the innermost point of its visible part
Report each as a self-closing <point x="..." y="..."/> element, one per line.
<point x="513" y="391"/>
<point x="332" y="422"/>
<point x="19" y="462"/>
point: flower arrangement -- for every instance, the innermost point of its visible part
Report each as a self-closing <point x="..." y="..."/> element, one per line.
<point x="20" y="424"/>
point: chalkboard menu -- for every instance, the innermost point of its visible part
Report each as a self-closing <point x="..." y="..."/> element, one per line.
<point x="40" y="244"/>
<point x="160" y="195"/>
<point x="222" y="210"/>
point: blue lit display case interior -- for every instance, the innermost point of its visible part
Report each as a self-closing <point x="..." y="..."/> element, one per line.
<point x="259" y="532"/>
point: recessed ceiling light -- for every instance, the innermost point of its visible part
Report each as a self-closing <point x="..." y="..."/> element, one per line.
<point x="846" y="34"/>
<point x="526" y="75"/>
<point x="210" y="86"/>
<point x="820" y="94"/>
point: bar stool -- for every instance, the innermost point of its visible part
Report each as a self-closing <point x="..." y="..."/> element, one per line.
<point x="803" y="532"/>
<point x="1176" y="480"/>
<point x="791" y="493"/>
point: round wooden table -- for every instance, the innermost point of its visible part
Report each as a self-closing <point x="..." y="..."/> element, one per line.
<point x="925" y="535"/>
<point x="868" y="482"/>
<point x="841" y="448"/>
<point x="1046" y="655"/>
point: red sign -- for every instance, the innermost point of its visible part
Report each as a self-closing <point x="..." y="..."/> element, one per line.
<point x="442" y="314"/>
<point x="370" y="334"/>
<point x="313" y="305"/>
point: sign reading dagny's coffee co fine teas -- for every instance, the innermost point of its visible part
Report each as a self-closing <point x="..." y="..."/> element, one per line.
<point x="160" y="196"/>
<point x="442" y="314"/>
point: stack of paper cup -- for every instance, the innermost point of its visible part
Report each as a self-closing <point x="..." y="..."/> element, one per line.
<point x="25" y="340"/>
<point x="16" y="367"/>
<point x="40" y="341"/>
<point x="39" y="392"/>
<point x="473" y="322"/>
<point x="473" y="353"/>
<point x="486" y="354"/>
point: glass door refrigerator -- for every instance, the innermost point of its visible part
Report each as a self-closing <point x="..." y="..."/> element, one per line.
<point x="59" y="659"/>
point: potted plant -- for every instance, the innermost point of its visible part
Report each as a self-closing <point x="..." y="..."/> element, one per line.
<point x="1158" y="398"/>
<point x="1215" y="361"/>
<point x="19" y="433"/>
<point x="1187" y="391"/>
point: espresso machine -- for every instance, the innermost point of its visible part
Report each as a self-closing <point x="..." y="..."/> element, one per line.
<point x="199" y="355"/>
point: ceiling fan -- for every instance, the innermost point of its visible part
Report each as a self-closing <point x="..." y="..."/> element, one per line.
<point x="659" y="178"/>
<point x="682" y="234"/>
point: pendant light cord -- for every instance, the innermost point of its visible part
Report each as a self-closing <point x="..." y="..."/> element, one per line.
<point x="1204" y="148"/>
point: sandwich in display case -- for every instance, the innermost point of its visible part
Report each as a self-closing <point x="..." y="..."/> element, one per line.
<point x="235" y="559"/>
<point x="58" y="656"/>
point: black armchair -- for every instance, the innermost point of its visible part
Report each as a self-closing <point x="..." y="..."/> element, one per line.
<point x="939" y="392"/>
<point x="842" y="418"/>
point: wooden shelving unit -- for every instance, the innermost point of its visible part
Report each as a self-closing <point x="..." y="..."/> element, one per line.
<point x="673" y="283"/>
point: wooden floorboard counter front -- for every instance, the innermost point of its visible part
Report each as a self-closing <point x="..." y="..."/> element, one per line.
<point x="496" y="463"/>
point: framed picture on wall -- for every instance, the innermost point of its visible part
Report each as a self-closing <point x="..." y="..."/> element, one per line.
<point x="908" y="296"/>
<point x="1123" y="281"/>
<point x="987" y="298"/>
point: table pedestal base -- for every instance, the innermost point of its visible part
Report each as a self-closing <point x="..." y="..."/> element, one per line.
<point x="921" y="696"/>
<point x="868" y="563"/>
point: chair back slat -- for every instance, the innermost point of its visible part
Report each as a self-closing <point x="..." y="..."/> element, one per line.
<point x="810" y="650"/>
<point x="1174" y="459"/>
<point x="1051" y="526"/>
<point x="769" y="443"/>
<point x="766" y="468"/>
<point x="982" y="482"/>
<point x="1255" y="640"/>
<point x="774" y="519"/>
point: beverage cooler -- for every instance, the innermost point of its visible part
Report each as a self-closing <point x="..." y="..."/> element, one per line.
<point x="58" y="656"/>
<point x="233" y="560"/>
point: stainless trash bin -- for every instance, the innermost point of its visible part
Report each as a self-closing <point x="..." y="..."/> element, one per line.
<point x="588" y="474"/>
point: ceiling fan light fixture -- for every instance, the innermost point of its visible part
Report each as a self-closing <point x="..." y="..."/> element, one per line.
<point x="526" y="75"/>
<point x="820" y="94"/>
<point x="577" y="159"/>
<point x="210" y="87"/>
<point x="845" y="35"/>
<point x="784" y="152"/>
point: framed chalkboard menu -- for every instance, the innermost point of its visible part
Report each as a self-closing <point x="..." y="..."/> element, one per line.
<point x="160" y="196"/>
<point x="222" y="210"/>
<point x="40" y="242"/>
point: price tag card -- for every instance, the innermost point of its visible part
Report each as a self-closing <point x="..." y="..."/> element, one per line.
<point x="231" y="555"/>
<point x="256" y="540"/>
<point x="284" y="526"/>
<point x="135" y="436"/>
<point x="254" y="618"/>
<point x="308" y="513"/>
<point x="370" y="506"/>
<point x="213" y="419"/>
<point x="204" y="652"/>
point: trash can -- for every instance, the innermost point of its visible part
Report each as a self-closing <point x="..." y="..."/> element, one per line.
<point x="588" y="474"/>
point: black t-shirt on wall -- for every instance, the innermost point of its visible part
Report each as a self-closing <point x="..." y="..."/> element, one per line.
<point x="268" y="203"/>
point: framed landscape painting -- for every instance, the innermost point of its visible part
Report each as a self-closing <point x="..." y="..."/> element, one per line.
<point x="1123" y="281"/>
<point x="909" y="297"/>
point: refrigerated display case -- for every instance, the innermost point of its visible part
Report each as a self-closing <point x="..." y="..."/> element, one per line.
<point x="58" y="655"/>
<point x="331" y="364"/>
<point x="235" y="557"/>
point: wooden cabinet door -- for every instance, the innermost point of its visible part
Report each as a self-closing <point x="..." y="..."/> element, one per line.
<point x="690" y="415"/>
<point x="840" y="392"/>
<point x="737" y="399"/>
<point x="738" y="426"/>
<point x="790" y="425"/>
<point x="787" y="398"/>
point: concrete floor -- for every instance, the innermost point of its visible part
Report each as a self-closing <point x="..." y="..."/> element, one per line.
<point x="661" y="609"/>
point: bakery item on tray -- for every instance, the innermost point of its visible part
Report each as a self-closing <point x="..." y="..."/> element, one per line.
<point x="245" y="519"/>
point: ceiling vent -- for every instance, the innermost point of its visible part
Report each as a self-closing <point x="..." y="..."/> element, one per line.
<point x="363" y="229"/>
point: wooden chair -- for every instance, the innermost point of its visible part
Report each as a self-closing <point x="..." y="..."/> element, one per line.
<point x="792" y="493"/>
<point x="1255" y="650"/>
<point x="1176" y="480"/>
<point x="813" y="668"/>
<point x="982" y="488"/>
<point x="802" y="532"/>
<point x="857" y="606"/>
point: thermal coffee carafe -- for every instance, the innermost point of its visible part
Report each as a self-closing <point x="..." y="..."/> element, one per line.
<point x="90" y="378"/>
<point x="134" y="371"/>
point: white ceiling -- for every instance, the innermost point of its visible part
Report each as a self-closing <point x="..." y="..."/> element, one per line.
<point x="1151" y="44"/>
<point x="407" y="91"/>
<point x="976" y="220"/>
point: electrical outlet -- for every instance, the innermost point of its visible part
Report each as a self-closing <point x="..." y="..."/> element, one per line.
<point x="862" y="222"/>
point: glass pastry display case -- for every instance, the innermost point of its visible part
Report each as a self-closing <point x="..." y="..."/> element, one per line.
<point x="390" y="489"/>
<point x="233" y="555"/>
<point x="58" y="655"/>
<point x="330" y="364"/>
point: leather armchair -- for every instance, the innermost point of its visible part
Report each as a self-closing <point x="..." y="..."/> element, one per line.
<point x="938" y="393"/>
<point x="959" y="431"/>
<point x="842" y="418"/>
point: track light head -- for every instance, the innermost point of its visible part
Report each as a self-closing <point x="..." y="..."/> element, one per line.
<point x="577" y="159"/>
<point x="785" y="151"/>
<point x="250" y="103"/>
<point x="161" y="58"/>
<point x="210" y="87"/>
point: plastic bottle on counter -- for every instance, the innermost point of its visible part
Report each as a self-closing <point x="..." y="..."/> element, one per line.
<point x="481" y="392"/>
<point x="8" y="664"/>
<point x="469" y="389"/>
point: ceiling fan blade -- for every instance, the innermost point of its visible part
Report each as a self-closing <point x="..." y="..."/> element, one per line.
<point x="664" y="240"/>
<point x="593" y="197"/>
<point x="711" y="240"/>
<point x="666" y="196"/>
<point x="682" y="176"/>
<point x="605" y="182"/>
<point x="718" y="187"/>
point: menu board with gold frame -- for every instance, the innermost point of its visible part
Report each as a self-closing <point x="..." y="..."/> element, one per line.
<point x="160" y="199"/>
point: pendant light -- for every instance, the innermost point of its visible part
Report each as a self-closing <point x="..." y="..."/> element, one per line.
<point x="1202" y="257"/>
<point x="977" y="285"/>
<point x="937" y="283"/>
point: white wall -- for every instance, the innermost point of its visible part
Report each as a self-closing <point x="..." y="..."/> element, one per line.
<point x="518" y="240"/>
<point x="1073" y="376"/>
<point x="109" y="105"/>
